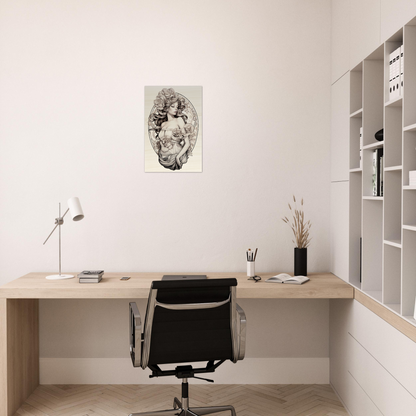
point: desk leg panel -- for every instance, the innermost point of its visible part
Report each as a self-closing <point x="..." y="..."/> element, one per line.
<point x="19" y="354"/>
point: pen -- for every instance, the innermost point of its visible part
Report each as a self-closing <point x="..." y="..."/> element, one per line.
<point x="255" y="255"/>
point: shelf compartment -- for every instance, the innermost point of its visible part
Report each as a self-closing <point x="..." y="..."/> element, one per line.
<point x="373" y="105"/>
<point x="367" y="155"/>
<point x="409" y="208"/>
<point x="392" y="275"/>
<point x="409" y="273"/>
<point x="409" y="109"/>
<point x="372" y="246"/>
<point x="356" y="87"/>
<point x="355" y="154"/>
<point x="393" y="131"/>
<point x="392" y="205"/>
<point x="355" y="215"/>
<point x="409" y="155"/>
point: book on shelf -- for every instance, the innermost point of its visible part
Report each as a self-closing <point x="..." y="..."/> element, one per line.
<point x="377" y="174"/>
<point x="287" y="278"/>
<point x="381" y="170"/>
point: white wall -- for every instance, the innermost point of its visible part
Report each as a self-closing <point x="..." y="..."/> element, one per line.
<point x="72" y="77"/>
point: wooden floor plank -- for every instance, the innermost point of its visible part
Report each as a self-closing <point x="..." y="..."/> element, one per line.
<point x="121" y="400"/>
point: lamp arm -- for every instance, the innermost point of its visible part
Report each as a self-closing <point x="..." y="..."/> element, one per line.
<point x="58" y="221"/>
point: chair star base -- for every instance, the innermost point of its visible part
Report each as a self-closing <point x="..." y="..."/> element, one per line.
<point x="178" y="410"/>
<point x="181" y="408"/>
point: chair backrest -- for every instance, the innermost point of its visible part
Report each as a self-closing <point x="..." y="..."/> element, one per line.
<point x="190" y="321"/>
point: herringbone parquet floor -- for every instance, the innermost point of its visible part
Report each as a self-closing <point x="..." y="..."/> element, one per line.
<point x="120" y="400"/>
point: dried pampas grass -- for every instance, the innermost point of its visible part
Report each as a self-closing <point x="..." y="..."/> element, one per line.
<point x="299" y="227"/>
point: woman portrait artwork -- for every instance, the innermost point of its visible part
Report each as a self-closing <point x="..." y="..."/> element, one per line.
<point x="173" y="127"/>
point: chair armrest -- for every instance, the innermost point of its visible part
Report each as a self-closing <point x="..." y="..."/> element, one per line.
<point x="135" y="335"/>
<point x="241" y="331"/>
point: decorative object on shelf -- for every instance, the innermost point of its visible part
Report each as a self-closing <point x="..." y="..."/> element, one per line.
<point x="74" y="207"/>
<point x="302" y="240"/>
<point x="379" y="135"/>
<point x="173" y="117"/>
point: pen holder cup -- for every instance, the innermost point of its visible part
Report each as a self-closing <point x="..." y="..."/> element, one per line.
<point x="251" y="268"/>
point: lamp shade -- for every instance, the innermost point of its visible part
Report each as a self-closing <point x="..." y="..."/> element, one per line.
<point x="75" y="209"/>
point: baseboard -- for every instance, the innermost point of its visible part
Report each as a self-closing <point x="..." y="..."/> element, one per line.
<point x="340" y="399"/>
<point x="248" y="371"/>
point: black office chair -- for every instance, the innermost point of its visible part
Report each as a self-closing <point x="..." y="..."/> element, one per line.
<point x="188" y="321"/>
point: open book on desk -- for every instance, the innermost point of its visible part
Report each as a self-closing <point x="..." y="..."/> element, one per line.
<point x="286" y="278"/>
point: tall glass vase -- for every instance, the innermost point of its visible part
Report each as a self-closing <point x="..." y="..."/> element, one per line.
<point x="301" y="261"/>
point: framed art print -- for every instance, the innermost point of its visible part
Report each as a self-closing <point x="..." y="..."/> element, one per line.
<point x="173" y="129"/>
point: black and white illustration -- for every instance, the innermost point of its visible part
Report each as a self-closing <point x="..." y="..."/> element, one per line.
<point x="173" y="123"/>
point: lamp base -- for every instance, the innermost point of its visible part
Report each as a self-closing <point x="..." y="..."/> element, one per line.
<point x="60" y="276"/>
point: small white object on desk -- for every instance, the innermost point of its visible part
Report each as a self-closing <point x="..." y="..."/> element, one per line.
<point x="287" y="278"/>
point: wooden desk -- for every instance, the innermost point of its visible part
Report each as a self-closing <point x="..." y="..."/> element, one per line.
<point x="19" y="315"/>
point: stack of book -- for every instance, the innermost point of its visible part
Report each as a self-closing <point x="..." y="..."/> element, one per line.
<point x="91" y="276"/>
<point x="412" y="178"/>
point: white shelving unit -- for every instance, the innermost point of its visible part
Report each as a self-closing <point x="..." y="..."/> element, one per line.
<point x="384" y="227"/>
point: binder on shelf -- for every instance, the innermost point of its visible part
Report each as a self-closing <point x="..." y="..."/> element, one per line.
<point x="401" y="69"/>
<point x="391" y="57"/>
<point x="394" y="74"/>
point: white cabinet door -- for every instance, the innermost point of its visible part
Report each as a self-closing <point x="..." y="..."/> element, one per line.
<point x="364" y="29"/>
<point x="339" y="229"/>
<point x="340" y="38"/>
<point x="394" y="15"/>
<point x="340" y="119"/>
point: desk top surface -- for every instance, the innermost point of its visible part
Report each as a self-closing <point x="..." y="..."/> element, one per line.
<point x="35" y="286"/>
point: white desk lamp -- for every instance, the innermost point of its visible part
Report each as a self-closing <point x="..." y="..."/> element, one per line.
<point x="74" y="207"/>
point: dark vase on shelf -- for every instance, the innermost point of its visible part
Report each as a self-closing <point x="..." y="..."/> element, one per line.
<point x="301" y="261"/>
